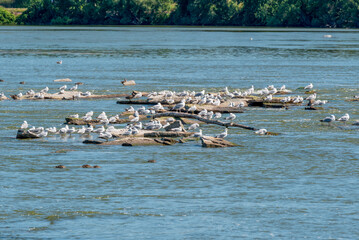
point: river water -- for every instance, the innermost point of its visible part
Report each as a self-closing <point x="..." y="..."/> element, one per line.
<point x="300" y="184"/>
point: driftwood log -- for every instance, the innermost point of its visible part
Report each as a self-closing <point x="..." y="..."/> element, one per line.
<point x="135" y="141"/>
<point x="80" y="121"/>
<point x="152" y="134"/>
<point x="68" y="95"/>
<point x="209" y="121"/>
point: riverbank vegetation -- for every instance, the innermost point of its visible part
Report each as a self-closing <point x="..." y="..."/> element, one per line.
<point x="281" y="13"/>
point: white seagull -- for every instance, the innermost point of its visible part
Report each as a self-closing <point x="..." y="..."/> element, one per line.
<point x="344" y="118"/>
<point x="222" y="135"/>
<point x="231" y="117"/>
<point x="24" y="125"/>
<point x="198" y="134"/>
<point x="309" y="86"/>
<point x="261" y="131"/>
<point x="328" y="119"/>
<point x="193" y="126"/>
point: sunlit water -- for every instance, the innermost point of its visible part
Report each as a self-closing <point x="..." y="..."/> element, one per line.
<point x="300" y="184"/>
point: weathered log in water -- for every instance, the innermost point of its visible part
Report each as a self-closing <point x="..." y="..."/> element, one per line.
<point x="212" y="142"/>
<point x="213" y="109"/>
<point x="80" y="121"/>
<point x="209" y="121"/>
<point x="136" y="102"/>
<point x="67" y="95"/>
<point x="170" y="106"/>
<point x="313" y="108"/>
<point x="25" y="134"/>
<point x="151" y="133"/>
<point x="135" y="141"/>
<point x="274" y="103"/>
<point x="167" y="134"/>
<point x="3" y="98"/>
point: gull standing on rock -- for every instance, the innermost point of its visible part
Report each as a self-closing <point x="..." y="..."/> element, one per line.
<point x="74" y="116"/>
<point x="63" y="87"/>
<point x="24" y="125"/>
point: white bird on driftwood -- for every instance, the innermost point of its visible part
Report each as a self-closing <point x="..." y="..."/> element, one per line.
<point x="138" y="95"/>
<point x="261" y="131"/>
<point x="180" y="106"/>
<point x="198" y="134"/>
<point x="192" y="109"/>
<point x="179" y="129"/>
<point x="135" y="119"/>
<point x="45" y="90"/>
<point x="74" y="88"/>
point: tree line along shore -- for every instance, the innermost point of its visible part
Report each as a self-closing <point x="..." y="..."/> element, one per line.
<point x="275" y="13"/>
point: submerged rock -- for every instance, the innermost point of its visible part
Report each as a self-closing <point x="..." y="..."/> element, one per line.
<point x="60" y="166"/>
<point x="86" y="166"/>
<point x="212" y="142"/>
<point x="126" y="82"/>
<point x="25" y="134"/>
<point x="63" y="80"/>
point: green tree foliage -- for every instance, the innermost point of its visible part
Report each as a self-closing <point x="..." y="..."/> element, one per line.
<point x="6" y="17"/>
<point x="304" y="13"/>
<point x="15" y="3"/>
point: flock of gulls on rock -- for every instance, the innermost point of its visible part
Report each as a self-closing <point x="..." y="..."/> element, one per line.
<point x="199" y="98"/>
<point x="42" y="92"/>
